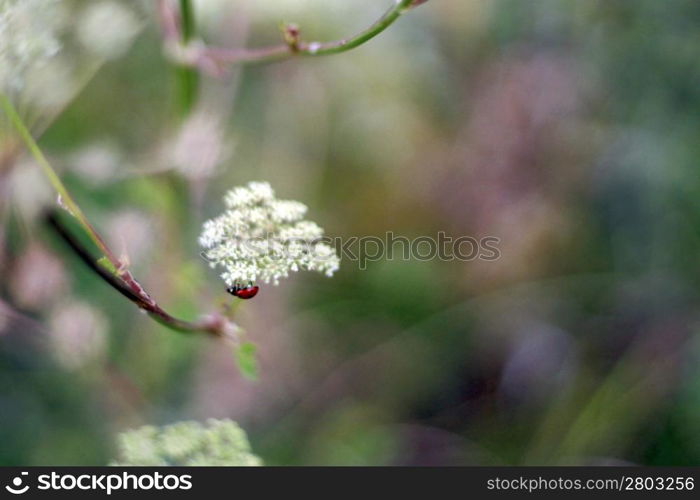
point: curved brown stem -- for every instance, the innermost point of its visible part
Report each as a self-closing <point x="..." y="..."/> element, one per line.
<point x="210" y="59"/>
<point x="215" y="324"/>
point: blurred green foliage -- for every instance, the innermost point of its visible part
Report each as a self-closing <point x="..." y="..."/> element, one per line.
<point x="566" y="128"/>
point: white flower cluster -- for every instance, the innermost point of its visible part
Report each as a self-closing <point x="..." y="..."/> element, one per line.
<point x="218" y="443"/>
<point x="262" y="238"/>
<point x="28" y="37"/>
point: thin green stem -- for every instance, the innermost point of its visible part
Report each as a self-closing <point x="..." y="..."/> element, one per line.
<point x="344" y="45"/>
<point x="214" y="324"/>
<point x="120" y="279"/>
<point x="65" y="197"/>
<point x="188" y="77"/>
<point x="311" y="49"/>
<point x="187" y="20"/>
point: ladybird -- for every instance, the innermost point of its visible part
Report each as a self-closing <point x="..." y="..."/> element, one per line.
<point x="243" y="292"/>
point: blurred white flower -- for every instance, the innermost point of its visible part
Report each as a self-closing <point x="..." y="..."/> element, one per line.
<point x="107" y="28"/>
<point x="51" y="85"/>
<point x="218" y="443"/>
<point x="262" y="238"/>
<point x="37" y="278"/>
<point x="131" y="233"/>
<point x="78" y="334"/>
<point x="29" y="191"/>
<point x="29" y="36"/>
<point x="199" y="146"/>
<point x="97" y="163"/>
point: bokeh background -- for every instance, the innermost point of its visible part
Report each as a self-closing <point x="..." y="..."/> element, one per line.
<point x="568" y="129"/>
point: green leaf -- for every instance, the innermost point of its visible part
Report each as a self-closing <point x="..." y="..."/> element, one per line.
<point x="247" y="361"/>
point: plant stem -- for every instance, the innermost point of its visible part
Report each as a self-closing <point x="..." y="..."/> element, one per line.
<point x="120" y="279"/>
<point x="214" y="325"/>
<point x="311" y="49"/>
<point x="187" y="20"/>
<point x="188" y="77"/>
<point x="344" y="45"/>
<point x="65" y="197"/>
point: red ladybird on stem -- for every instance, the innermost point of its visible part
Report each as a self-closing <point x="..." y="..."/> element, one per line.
<point x="243" y="292"/>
